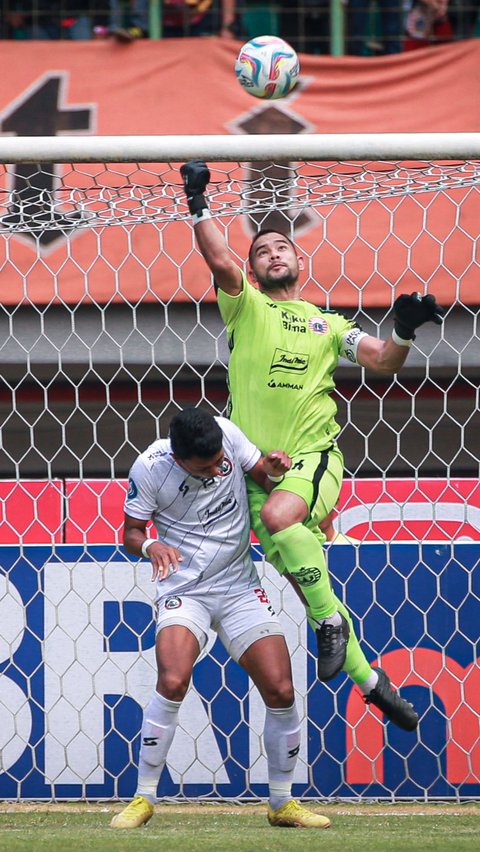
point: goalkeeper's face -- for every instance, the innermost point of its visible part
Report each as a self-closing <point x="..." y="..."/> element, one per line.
<point x="274" y="262"/>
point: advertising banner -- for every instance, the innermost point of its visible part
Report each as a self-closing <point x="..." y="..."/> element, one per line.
<point x="77" y="669"/>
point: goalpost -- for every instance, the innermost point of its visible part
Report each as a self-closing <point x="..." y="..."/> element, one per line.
<point x="108" y="326"/>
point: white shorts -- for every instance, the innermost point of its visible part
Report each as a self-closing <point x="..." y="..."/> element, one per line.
<point x="238" y="619"/>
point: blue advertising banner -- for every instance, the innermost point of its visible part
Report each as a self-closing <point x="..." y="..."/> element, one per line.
<point x="77" y="667"/>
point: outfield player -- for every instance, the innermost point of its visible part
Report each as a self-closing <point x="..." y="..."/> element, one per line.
<point x="193" y="487"/>
<point x="284" y="351"/>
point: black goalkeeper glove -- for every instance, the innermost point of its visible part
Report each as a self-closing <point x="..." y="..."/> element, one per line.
<point x="195" y="176"/>
<point x="410" y="312"/>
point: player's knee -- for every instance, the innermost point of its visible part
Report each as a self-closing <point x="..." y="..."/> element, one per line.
<point x="279" y="693"/>
<point x="281" y="510"/>
<point x="272" y="518"/>
<point x="173" y="685"/>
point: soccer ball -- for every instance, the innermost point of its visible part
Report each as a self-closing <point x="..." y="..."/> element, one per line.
<point x="267" y="67"/>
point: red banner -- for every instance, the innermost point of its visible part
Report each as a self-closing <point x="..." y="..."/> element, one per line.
<point x="187" y="86"/>
<point x="405" y="510"/>
<point x="370" y="510"/>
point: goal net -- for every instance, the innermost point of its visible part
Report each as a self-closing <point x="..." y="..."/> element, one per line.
<point x="108" y="327"/>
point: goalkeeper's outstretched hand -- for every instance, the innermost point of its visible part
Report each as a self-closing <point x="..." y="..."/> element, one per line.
<point x="412" y="311"/>
<point x="196" y="176"/>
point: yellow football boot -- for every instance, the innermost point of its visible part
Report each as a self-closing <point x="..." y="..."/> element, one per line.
<point x="137" y="813"/>
<point x="293" y="815"/>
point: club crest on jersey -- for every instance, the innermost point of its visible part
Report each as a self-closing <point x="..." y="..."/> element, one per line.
<point x="226" y="467"/>
<point x="173" y="603"/>
<point x="318" y="325"/>
<point x="132" y="490"/>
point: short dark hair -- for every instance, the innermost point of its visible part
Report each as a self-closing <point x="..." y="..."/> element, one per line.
<point x="194" y="432"/>
<point x="261" y="233"/>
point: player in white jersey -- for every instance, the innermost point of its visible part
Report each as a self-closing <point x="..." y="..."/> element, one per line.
<point x="192" y="486"/>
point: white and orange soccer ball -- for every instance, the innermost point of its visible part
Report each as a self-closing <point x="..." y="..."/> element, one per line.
<point x="267" y="67"/>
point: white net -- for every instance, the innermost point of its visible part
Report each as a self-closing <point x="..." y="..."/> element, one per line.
<point x="105" y="333"/>
<point x="34" y="199"/>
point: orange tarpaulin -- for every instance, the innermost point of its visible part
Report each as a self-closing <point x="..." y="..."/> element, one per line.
<point x="187" y="86"/>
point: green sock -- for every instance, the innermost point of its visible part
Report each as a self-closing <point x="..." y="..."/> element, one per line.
<point x="304" y="559"/>
<point x="356" y="664"/>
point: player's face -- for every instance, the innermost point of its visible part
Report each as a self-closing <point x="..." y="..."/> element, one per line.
<point x="203" y="467"/>
<point x="275" y="262"/>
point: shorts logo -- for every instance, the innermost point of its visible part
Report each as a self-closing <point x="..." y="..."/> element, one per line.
<point x="263" y="598"/>
<point x="318" y="325"/>
<point x="307" y="576"/>
<point x="173" y="602"/>
<point x="226" y="467"/>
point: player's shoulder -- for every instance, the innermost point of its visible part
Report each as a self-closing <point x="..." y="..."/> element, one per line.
<point x="232" y="433"/>
<point x="157" y="453"/>
<point x="229" y="429"/>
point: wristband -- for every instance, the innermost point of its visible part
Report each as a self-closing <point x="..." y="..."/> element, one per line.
<point x="405" y="332"/>
<point x="201" y="216"/>
<point x="276" y="479"/>
<point x="400" y="341"/>
<point x="196" y="202"/>
<point x="147" y="543"/>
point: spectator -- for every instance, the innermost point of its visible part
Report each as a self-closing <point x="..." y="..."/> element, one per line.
<point x="63" y="19"/>
<point x="130" y="20"/>
<point x="463" y="15"/>
<point x="305" y="24"/>
<point x="427" y="23"/>
<point x="391" y="27"/>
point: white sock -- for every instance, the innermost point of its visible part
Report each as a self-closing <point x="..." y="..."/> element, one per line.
<point x="281" y="737"/>
<point x="160" y="722"/>
<point x="335" y="619"/>
<point x="370" y="683"/>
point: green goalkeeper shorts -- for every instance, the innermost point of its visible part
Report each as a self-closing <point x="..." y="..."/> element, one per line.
<point x="317" y="479"/>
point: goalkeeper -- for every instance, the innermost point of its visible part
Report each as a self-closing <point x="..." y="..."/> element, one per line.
<point x="284" y="351"/>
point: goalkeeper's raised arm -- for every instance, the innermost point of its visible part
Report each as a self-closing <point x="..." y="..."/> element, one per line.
<point x="226" y="273"/>
<point x="409" y="313"/>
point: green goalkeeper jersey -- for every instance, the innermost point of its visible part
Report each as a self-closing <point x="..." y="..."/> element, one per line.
<point x="282" y="359"/>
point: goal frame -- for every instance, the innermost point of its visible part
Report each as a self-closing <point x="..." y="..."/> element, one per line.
<point x="125" y="369"/>
<point x="284" y="146"/>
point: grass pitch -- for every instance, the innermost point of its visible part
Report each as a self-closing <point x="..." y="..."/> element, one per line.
<point x="186" y="828"/>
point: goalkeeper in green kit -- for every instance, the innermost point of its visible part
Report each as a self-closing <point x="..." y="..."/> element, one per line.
<point x="283" y="353"/>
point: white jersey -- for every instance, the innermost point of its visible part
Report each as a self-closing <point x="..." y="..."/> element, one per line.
<point x="206" y="519"/>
